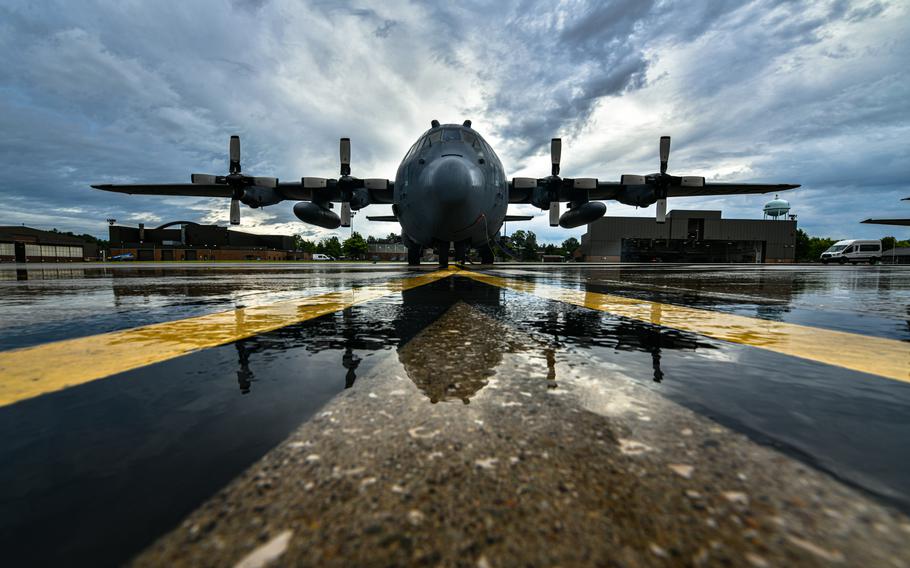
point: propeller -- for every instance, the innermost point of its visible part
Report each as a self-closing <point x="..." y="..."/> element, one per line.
<point x="555" y="158"/>
<point x="235" y="179"/>
<point x="661" y="206"/>
<point x="663" y="180"/>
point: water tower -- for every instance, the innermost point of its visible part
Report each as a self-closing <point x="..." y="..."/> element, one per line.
<point x="777" y="208"/>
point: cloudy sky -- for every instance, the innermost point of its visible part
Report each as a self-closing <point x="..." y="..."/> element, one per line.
<point x="135" y="91"/>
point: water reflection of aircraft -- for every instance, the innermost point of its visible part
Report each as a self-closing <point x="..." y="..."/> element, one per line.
<point x="573" y="326"/>
<point x="443" y="373"/>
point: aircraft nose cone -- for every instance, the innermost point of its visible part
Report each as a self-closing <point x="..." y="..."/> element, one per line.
<point x="453" y="179"/>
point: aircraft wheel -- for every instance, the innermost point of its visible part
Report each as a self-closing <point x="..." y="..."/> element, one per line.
<point x="414" y="256"/>
<point x="461" y="252"/>
<point x="443" y="253"/>
<point x="486" y="254"/>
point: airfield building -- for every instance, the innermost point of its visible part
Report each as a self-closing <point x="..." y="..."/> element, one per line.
<point x="25" y="244"/>
<point x="387" y="251"/>
<point x="689" y="236"/>
<point x="185" y="240"/>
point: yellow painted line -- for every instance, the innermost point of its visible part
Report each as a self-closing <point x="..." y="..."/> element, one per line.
<point x="887" y="358"/>
<point x="33" y="371"/>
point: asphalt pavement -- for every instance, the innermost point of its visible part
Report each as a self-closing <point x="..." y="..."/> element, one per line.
<point x="311" y="414"/>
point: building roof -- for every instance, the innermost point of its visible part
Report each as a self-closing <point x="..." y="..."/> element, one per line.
<point x="28" y="234"/>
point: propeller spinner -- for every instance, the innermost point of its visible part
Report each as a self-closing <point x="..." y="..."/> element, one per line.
<point x="235" y="179"/>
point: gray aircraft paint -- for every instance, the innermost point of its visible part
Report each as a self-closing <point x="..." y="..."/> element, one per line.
<point x="450" y="187"/>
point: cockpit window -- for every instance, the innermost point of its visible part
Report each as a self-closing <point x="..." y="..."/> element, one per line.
<point x="451" y="134"/>
<point x="470" y="139"/>
<point x="434" y="137"/>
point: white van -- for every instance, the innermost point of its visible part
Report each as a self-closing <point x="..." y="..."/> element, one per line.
<point x="320" y="256"/>
<point x="853" y="251"/>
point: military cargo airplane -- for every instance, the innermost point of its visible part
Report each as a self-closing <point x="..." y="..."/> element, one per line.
<point x="450" y="190"/>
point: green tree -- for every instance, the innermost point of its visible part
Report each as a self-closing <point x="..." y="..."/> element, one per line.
<point x="355" y="246"/>
<point x="303" y="244"/>
<point x="570" y="245"/>
<point x="531" y="246"/>
<point x="330" y="246"/>
<point x="802" y="245"/>
<point x="393" y="238"/>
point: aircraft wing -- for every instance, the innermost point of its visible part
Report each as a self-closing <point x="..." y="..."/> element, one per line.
<point x="353" y="193"/>
<point x="190" y="189"/>
<point x="901" y="222"/>
<point x="728" y="189"/>
<point x="331" y="190"/>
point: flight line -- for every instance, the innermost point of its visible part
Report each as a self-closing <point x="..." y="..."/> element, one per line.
<point x="33" y="371"/>
<point x="37" y="370"/>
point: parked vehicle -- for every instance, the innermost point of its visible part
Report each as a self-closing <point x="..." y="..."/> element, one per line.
<point x="853" y="251"/>
<point x="124" y="256"/>
<point x="320" y="256"/>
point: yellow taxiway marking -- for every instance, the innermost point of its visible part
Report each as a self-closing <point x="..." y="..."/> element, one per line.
<point x="33" y="371"/>
<point x="874" y="355"/>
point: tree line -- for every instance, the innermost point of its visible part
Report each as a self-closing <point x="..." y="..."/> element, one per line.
<point x="809" y="249"/>
<point x="521" y="245"/>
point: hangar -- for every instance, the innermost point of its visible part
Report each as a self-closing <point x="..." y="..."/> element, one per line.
<point x="185" y="240"/>
<point x="25" y="244"/>
<point x="690" y="236"/>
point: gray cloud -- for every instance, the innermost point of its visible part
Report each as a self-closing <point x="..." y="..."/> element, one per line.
<point x="781" y="91"/>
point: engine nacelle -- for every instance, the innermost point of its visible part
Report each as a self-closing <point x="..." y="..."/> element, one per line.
<point x="637" y="195"/>
<point x="582" y="214"/>
<point x="313" y="214"/>
<point x="260" y="196"/>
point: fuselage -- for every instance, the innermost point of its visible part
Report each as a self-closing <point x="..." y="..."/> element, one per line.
<point x="450" y="187"/>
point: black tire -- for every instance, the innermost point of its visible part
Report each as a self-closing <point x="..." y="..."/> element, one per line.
<point x="414" y="256"/>
<point x="486" y="254"/>
<point x="824" y="261"/>
<point x="842" y="261"/>
<point x="853" y="263"/>
<point x="461" y="252"/>
<point x="873" y="260"/>
<point x="443" y="253"/>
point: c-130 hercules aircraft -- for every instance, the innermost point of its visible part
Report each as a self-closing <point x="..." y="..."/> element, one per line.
<point x="450" y="189"/>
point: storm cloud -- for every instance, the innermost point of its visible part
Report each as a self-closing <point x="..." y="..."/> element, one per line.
<point x="804" y="92"/>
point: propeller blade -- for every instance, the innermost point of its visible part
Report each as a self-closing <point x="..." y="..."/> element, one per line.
<point x="664" y="153"/>
<point x="627" y="179"/>
<point x="555" y="154"/>
<point x="662" y="210"/>
<point x="554" y="213"/>
<point x="265" y="182"/>
<point x="234" y="151"/>
<point x="692" y="181"/>
<point x="204" y="179"/>
<point x="235" y="211"/>
<point x="313" y="183"/>
<point x="345" y="214"/>
<point x="345" y="151"/>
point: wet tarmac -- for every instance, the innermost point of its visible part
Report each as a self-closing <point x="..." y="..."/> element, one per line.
<point x="459" y="420"/>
